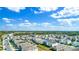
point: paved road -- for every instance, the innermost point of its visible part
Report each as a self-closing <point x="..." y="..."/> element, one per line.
<point x="6" y="45"/>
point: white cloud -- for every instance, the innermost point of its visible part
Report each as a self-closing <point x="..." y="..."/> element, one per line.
<point x="46" y="24"/>
<point x="9" y="24"/>
<point x="44" y="9"/>
<point x="65" y="22"/>
<point x="25" y="24"/>
<point x="16" y="9"/>
<point x="48" y="8"/>
<point x="33" y="25"/>
<point x="68" y="22"/>
<point x="55" y="15"/>
<point x="26" y="21"/>
<point x="29" y="26"/>
<point x="37" y="12"/>
<point x="65" y="28"/>
<point x="7" y="20"/>
<point x="67" y="12"/>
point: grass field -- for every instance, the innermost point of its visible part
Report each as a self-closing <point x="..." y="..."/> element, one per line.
<point x="1" y="41"/>
<point x="1" y="46"/>
<point x="43" y="48"/>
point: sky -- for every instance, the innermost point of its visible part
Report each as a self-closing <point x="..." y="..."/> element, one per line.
<point x="39" y="18"/>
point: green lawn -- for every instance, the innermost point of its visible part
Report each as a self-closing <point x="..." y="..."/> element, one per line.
<point x="1" y="41"/>
<point x="43" y="48"/>
<point x="1" y="47"/>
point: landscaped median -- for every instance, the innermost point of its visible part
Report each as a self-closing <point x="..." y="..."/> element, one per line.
<point x="12" y="45"/>
<point x="1" y="46"/>
<point x="42" y="47"/>
<point x="1" y="41"/>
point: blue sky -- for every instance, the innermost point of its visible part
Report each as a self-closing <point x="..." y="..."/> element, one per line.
<point x="39" y="18"/>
